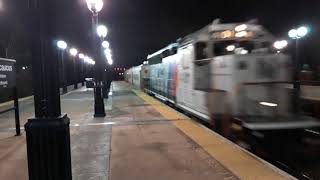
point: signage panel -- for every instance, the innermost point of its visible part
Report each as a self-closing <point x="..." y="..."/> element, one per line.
<point x="7" y="73"/>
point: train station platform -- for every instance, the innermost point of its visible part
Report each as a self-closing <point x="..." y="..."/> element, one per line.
<point x="141" y="138"/>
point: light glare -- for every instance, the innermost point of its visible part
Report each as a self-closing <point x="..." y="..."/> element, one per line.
<point x="81" y="56"/>
<point x="62" y="45"/>
<point x="268" y="104"/>
<point x="95" y="6"/>
<point x="73" y="52"/>
<point x="105" y="44"/>
<point x="244" y="51"/>
<point x="293" y="33"/>
<point x="302" y="31"/>
<point x="280" y="44"/>
<point x="102" y="31"/>
<point x="241" y="27"/>
<point x="231" y="48"/>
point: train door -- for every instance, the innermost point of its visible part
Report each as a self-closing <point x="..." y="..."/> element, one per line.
<point x="185" y="83"/>
<point x="201" y="76"/>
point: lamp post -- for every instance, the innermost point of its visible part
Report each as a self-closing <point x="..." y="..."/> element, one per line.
<point x="48" y="133"/>
<point x="74" y="53"/>
<point x="102" y="33"/>
<point x="95" y="6"/>
<point x="297" y="34"/>
<point x="62" y="45"/>
<point x="82" y="75"/>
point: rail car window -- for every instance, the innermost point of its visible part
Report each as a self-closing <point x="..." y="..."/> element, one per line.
<point x="201" y="50"/>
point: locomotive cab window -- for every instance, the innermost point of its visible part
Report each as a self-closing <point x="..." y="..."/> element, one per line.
<point x="201" y="54"/>
<point x="201" y="50"/>
<point x="202" y="67"/>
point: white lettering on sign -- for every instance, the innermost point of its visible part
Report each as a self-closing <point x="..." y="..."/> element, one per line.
<point x="3" y="76"/>
<point x="3" y="83"/>
<point x="5" y="68"/>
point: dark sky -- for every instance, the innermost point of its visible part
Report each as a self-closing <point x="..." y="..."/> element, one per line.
<point x="141" y="27"/>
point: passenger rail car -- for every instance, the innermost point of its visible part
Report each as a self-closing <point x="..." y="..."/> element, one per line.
<point x="224" y="74"/>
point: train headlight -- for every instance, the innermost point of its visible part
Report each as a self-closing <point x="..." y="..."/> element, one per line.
<point x="268" y="104"/>
<point x="241" y="27"/>
<point x="231" y="48"/>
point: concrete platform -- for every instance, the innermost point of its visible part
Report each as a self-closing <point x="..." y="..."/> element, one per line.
<point x="140" y="138"/>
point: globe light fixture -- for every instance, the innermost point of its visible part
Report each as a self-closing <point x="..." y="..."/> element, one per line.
<point x="102" y="31"/>
<point x="62" y="45"/>
<point x="106" y="44"/>
<point x="280" y="44"/>
<point x="73" y="52"/>
<point x="107" y="52"/>
<point x="302" y="31"/>
<point x="81" y="56"/>
<point x="298" y="33"/>
<point x="95" y="6"/>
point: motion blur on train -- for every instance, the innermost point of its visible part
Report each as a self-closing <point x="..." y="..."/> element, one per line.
<point x="230" y="76"/>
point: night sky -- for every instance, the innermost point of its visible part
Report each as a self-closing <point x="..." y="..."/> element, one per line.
<point x="140" y="27"/>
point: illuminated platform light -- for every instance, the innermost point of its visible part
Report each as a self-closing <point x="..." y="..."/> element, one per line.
<point x="280" y="44"/>
<point x="62" y="45"/>
<point x="293" y="33"/>
<point x="107" y="52"/>
<point x="102" y="31"/>
<point x="95" y="5"/>
<point x="302" y="31"/>
<point x="81" y="56"/>
<point x="73" y="52"/>
<point x="268" y="104"/>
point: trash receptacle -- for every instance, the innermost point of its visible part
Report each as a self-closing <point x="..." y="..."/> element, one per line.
<point x="89" y="82"/>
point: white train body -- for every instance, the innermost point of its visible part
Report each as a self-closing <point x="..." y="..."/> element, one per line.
<point x="218" y="71"/>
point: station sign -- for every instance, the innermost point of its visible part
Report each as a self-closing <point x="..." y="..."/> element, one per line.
<point x="7" y="73"/>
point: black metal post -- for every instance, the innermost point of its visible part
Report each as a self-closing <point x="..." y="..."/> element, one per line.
<point x="296" y="84"/>
<point x="16" y="110"/>
<point x="48" y="137"/>
<point x="297" y="56"/>
<point x="99" y="110"/>
<point x="82" y="76"/>
<point x="64" y="80"/>
<point x="75" y="77"/>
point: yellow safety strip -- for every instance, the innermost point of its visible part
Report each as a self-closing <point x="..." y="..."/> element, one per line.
<point x="8" y="103"/>
<point x="239" y="162"/>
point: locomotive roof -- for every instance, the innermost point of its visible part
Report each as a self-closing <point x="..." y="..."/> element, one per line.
<point x="205" y="34"/>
